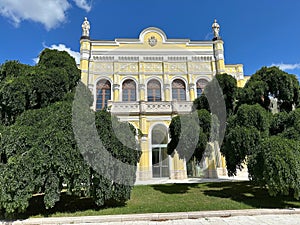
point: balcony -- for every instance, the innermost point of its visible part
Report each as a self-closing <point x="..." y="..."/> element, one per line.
<point x="143" y="107"/>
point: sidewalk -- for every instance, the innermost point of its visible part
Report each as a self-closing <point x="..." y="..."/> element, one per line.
<point x="253" y="216"/>
<point x="190" y="180"/>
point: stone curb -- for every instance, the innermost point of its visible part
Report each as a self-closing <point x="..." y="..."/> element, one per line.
<point x="151" y="216"/>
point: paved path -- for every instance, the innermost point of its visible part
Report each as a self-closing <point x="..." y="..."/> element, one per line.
<point x="236" y="220"/>
<point x="229" y="217"/>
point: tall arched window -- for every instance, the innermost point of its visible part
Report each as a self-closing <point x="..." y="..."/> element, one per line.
<point x="201" y="83"/>
<point x="103" y="93"/>
<point x="129" y="91"/>
<point x="160" y="157"/>
<point x="178" y="90"/>
<point x="154" y="91"/>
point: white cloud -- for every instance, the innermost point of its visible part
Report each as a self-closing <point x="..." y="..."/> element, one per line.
<point x="83" y="4"/>
<point x="48" y="12"/>
<point x="62" y="47"/>
<point x="284" y="66"/>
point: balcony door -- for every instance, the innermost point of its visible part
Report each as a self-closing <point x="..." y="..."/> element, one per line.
<point x="160" y="157"/>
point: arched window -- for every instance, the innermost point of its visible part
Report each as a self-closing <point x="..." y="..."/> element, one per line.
<point x="160" y="158"/>
<point x="129" y="91"/>
<point x="178" y="90"/>
<point x="103" y="93"/>
<point x="201" y="83"/>
<point x="154" y="91"/>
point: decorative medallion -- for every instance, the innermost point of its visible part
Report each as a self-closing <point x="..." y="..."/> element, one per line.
<point x="152" y="41"/>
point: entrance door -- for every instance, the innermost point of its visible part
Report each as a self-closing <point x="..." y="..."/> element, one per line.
<point x="160" y="157"/>
<point x="160" y="161"/>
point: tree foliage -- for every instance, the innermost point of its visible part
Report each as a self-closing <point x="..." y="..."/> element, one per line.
<point x="189" y="134"/>
<point x="276" y="164"/>
<point x="223" y="87"/>
<point x="39" y="153"/>
<point x="271" y="82"/>
<point x="267" y="143"/>
<point x="245" y="131"/>
<point x="24" y="87"/>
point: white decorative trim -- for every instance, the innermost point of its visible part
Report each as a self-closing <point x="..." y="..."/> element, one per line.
<point x="102" y="58"/>
<point x="116" y="86"/>
<point x="155" y="30"/>
<point x="129" y="118"/>
<point x="159" y="118"/>
<point x="152" y="58"/>
<point x="85" y="55"/>
<point x="220" y="56"/>
<point x="177" y="58"/>
<point x="202" y="58"/>
<point x="128" y="58"/>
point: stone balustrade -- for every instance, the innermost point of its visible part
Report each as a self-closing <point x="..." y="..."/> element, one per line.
<point x="143" y="107"/>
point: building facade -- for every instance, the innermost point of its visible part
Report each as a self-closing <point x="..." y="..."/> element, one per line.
<point x="149" y="80"/>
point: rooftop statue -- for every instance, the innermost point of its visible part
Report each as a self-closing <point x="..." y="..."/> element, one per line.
<point x="216" y="30"/>
<point x="85" y="28"/>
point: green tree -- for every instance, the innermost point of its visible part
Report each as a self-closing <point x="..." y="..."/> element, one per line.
<point x="13" y="68"/>
<point x="24" y="87"/>
<point x="276" y="165"/>
<point x="50" y="59"/>
<point x="201" y="103"/>
<point x="39" y="155"/>
<point x="189" y="134"/>
<point x="271" y="82"/>
<point x="39" y="152"/>
<point x="244" y="133"/>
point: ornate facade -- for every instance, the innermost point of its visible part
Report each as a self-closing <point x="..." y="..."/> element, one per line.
<point x="149" y="80"/>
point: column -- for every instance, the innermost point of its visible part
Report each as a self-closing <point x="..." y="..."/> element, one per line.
<point x="178" y="170"/>
<point x="144" y="166"/>
<point x="219" y="56"/>
<point x="192" y="91"/>
<point x="84" y="59"/>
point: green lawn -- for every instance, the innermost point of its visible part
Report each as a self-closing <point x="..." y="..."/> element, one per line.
<point x="172" y="198"/>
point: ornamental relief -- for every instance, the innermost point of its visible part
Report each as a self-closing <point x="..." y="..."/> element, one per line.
<point x="102" y="67"/>
<point x="198" y="67"/>
<point x="151" y="67"/>
<point x="128" y="67"/>
<point x="176" y="67"/>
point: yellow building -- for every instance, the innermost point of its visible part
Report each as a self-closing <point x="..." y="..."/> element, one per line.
<point x="147" y="81"/>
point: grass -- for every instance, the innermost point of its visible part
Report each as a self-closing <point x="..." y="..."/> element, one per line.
<point x="171" y="198"/>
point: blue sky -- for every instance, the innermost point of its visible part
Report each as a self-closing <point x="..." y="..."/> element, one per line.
<point x="255" y="33"/>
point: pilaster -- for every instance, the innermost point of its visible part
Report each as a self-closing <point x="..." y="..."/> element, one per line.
<point x="85" y="49"/>
<point x="219" y="56"/>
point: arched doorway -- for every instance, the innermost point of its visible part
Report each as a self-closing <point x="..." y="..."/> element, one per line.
<point x="160" y="157"/>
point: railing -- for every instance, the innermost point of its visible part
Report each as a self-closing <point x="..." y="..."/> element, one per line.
<point x="143" y="107"/>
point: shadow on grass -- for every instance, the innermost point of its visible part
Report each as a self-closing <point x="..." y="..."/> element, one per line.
<point x="67" y="204"/>
<point x="250" y="194"/>
<point x="174" y="188"/>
